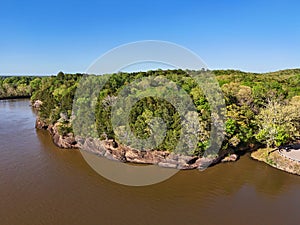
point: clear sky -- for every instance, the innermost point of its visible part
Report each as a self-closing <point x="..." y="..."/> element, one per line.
<point x="44" y="37"/>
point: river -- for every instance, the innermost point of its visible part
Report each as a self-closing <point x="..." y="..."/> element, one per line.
<point x="41" y="184"/>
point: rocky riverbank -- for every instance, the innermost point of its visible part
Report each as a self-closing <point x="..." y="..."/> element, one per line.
<point x="63" y="141"/>
<point x="112" y="150"/>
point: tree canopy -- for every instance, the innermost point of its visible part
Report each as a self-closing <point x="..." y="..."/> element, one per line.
<point x="260" y="108"/>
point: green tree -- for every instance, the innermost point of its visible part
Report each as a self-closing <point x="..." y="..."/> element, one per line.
<point x="277" y="123"/>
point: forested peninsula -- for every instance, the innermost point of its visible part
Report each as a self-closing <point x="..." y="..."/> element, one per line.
<point x="262" y="112"/>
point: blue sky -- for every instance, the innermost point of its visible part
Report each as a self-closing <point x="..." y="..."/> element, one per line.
<point x="44" y="37"/>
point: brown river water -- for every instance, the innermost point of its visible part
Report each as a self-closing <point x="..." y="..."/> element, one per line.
<point x="41" y="184"/>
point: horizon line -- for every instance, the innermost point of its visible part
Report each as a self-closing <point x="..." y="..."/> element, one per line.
<point x="214" y="69"/>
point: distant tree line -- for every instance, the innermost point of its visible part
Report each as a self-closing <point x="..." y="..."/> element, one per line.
<point x="15" y="86"/>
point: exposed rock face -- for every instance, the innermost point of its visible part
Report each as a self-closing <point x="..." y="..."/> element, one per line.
<point x="113" y="151"/>
<point x="230" y="158"/>
<point x="206" y="162"/>
<point x="66" y="141"/>
<point x="39" y="124"/>
<point x="116" y="152"/>
<point x="37" y="104"/>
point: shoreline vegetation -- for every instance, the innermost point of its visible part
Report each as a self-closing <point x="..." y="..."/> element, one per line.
<point x="262" y="114"/>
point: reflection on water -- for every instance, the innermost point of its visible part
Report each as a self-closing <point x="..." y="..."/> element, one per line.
<point x="42" y="184"/>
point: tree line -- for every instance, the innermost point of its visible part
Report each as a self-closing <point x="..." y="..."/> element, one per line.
<point x="261" y="109"/>
<point x="15" y="86"/>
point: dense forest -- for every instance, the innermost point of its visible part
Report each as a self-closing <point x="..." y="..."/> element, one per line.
<point x="261" y="109"/>
<point x="15" y="87"/>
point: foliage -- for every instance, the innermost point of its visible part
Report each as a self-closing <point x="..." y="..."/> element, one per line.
<point x="261" y="108"/>
<point x="278" y="123"/>
<point x="15" y="87"/>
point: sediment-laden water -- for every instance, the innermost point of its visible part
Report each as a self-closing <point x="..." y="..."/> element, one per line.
<point x="42" y="184"/>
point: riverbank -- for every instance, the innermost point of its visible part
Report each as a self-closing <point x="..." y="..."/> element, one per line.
<point x="273" y="158"/>
<point x="114" y="151"/>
